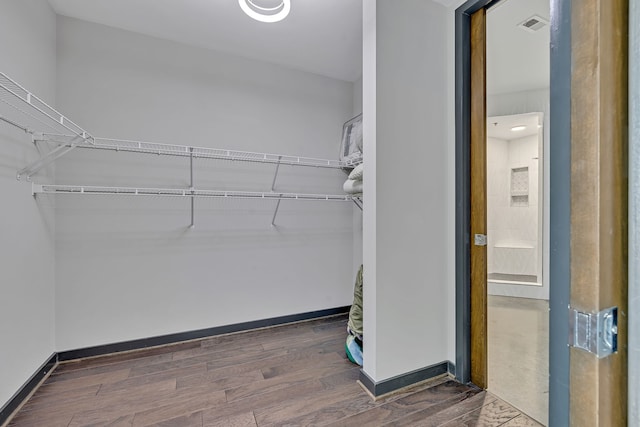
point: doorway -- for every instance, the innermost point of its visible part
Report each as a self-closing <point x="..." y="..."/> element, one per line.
<point x="490" y="95"/>
<point x="518" y="325"/>
<point x="515" y="208"/>
<point x="588" y="231"/>
<point x="517" y="88"/>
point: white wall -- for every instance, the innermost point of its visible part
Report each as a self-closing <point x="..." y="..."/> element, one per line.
<point x="406" y="210"/>
<point x="357" y="212"/>
<point x="369" y="213"/>
<point x="520" y="103"/>
<point x="27" y="54"/>
<point x="497" y="190"/>
<point x="450" y="139"/>
<point x="130" y="268"/>
<point x="357" y="97"/>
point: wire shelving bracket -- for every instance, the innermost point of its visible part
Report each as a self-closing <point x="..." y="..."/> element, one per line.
<point x="357" y="200"/>
<point x="24" y="110"/>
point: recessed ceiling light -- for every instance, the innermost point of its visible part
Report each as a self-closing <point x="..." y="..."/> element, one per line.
<point x="518" y="128"/>
<point x="266" y="14"/>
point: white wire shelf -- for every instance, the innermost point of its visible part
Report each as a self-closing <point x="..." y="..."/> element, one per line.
<point x="205" y="153"/>
<point x="24" y="110"/>
<point x="20" y="106"/>
<point x="180" y="192"/>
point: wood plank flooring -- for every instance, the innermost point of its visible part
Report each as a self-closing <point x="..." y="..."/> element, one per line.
<point x="293" y="375"/>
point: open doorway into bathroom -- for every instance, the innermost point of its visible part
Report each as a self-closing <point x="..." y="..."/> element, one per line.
<point x="517" y="52"/>
<point x="514" y="202"/>
<point x="517" y="321"/>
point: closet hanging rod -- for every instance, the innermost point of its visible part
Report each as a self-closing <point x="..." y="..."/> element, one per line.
<point x="204" y="153"/>
<point x="180" y="192"/>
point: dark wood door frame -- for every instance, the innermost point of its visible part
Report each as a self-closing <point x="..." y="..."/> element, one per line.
<point x="560" y="152"/>
<point x="463" y="184"/>
<point x="478" y="200"/>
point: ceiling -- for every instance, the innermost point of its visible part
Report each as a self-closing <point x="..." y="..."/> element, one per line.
<point x="500" y="126"/>
<point x="319" y="36"/>
<point x="517" y="60"/>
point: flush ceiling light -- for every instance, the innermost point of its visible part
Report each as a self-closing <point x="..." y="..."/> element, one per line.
<point x="266" y="14"/>
<point x="518" y="128"/>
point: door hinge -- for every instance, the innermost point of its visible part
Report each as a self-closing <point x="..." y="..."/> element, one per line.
<point x="596" y="333"/>
<point x="480" y="239"/>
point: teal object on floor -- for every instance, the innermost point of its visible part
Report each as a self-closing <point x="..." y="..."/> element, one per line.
<point x="353" y="350"/>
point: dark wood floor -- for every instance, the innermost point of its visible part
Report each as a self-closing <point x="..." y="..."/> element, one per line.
<point x="290" y="375"/>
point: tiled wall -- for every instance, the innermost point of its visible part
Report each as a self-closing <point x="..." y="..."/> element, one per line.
<point x="512" y="230"/>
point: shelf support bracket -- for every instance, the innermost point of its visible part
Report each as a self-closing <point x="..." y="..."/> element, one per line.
<point x="35" y="189"/>
<point x="45" y="160"/>
<point x="357" y="201"/>
<point x="273" y="186"/>
<point x="273" y="220"/>
<point x="191" y="186"/>
<point x="275" y="176"/>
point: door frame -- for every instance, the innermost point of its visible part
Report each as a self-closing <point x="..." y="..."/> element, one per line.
<point x="588" y="48"/>
<point x="463" y="184"/>
<point x="559" y="199"/>
<point x="560" y="212"/>
<point x="634" y="213"/>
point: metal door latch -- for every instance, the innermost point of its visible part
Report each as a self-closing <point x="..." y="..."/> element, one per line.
<point x="480" y="239"/>
<point x="596" y="333"/>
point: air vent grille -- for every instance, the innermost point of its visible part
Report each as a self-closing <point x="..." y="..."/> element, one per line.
<point x="533" y="23"/>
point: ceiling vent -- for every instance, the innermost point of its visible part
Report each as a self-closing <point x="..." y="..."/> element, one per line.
<point x="533" y="23"/>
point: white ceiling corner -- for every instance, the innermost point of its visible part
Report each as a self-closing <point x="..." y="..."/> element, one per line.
<point x="322" y="37"/>
<point x="517" y="60"/>
<point x="500" y="126"/>
<point x="450" y="3"/>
